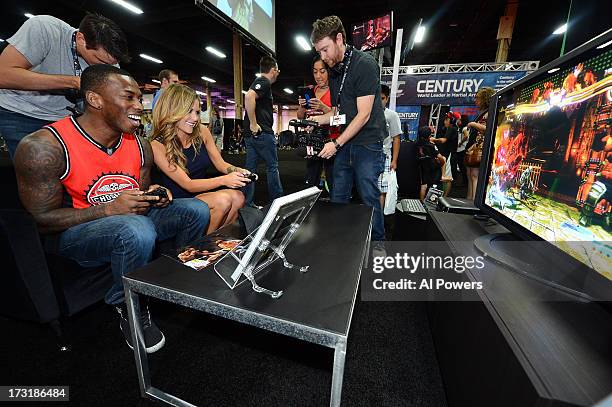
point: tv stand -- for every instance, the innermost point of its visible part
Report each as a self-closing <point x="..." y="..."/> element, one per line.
<point x="509" y="349"/>
<point x="507" y="250"/>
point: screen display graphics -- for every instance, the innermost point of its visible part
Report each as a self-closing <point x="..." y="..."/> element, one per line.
<point x="374" y="33"/>
<point x="254" y="16"/>
<point x="550" y="162"/>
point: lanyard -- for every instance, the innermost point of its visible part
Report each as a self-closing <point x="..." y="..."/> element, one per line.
<point x="346" y="68"/>
<point x="75" y="58"/>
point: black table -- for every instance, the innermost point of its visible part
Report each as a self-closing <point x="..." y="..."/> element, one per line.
<point x="514" y="347"/>
<point x="316" y="306"/>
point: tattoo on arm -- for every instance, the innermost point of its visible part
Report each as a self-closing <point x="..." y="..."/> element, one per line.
<point x="39" y="163"/>
<point x="230" y="169"/>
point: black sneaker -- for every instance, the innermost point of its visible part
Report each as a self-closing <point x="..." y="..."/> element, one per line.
<point x="153" y="337"/>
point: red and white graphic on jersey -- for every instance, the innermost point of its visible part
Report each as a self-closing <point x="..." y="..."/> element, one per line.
<point x="108" y="187"/>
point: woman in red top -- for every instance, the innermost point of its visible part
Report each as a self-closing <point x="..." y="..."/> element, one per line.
<point x="319" y="105"/>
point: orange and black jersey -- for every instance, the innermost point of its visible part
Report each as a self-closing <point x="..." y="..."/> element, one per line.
<point x="96" y="174"/>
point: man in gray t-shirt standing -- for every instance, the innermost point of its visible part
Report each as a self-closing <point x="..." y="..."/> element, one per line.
<point x="40" y="70"/>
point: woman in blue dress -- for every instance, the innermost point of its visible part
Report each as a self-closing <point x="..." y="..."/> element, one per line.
<point x="184" y="150"/>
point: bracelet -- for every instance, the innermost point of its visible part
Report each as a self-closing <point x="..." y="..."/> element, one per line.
<point x="338" y="146"/>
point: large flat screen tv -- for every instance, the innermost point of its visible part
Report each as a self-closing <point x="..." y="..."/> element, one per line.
<point x="255" y="19"/>
<point x="373" y="33"/>
<point x="546" y="170"/>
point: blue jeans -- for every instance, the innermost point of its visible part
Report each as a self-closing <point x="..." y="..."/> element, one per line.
<point x="127" y="241"/>
<point x="360" y="165"/>
<point x="15" y="126"/>
<point x="263" y="147"/>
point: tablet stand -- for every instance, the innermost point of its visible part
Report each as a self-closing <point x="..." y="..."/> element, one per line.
<point x="268" y="242"/>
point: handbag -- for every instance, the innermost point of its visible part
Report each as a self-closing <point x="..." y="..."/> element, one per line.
<point x="473" y="154"/>
<point x="391" y="197"/>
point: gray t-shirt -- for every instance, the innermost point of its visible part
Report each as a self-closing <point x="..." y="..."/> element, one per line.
<point x="394" y="129"/>
<point x="46" y="42"/>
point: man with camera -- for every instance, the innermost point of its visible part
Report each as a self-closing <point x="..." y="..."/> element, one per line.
<point x="357" y="109"/>
<point x="40" y="70"/>
<point x="258" y="134"/>
<point x="87" y="183"/>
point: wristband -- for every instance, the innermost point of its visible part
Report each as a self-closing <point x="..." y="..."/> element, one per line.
<point x="338" y="146"/>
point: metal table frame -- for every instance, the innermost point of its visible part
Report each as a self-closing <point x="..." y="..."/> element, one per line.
<point x="306" y="333"/>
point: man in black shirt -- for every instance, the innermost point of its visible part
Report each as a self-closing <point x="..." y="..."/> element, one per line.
<point x="447" y="144"/>
<point x="357" y="109"/>
<point x="258" y="134"/>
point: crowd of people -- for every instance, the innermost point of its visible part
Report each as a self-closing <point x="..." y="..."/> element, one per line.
<point x="85" y="158"/>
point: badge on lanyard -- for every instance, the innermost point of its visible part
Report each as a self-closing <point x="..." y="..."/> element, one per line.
<point x="340" y="119"/>
<point x="337" y="120"/>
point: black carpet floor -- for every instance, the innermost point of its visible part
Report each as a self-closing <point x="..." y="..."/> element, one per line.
<point x="390" y="359"/>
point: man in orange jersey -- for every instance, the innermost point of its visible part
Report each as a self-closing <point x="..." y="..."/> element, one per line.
<point x="86" y="182"/>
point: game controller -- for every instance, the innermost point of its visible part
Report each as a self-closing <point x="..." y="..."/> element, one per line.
<point x="159" y="191"/>
<point x="252" y="176"/>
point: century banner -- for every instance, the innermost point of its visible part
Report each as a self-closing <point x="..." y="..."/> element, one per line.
<point x="409" y="117"/>
<point x="448" y="88"/>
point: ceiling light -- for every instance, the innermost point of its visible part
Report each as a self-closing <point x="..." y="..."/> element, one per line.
<point x="28" y="15"/>
<point x="420" y="34"/>
<point x="258" y="75"/>
<point x="128" y="6"/>
<point x="230" y="101"/>
<point x="156" y="81"/>
<point x="207" y="79"/>
<point x="553" y="70"/>
<point x="221" y="107"/>
<point x="199" y="92"/>
<point x="150" y="58"/>
<point x="303" y="43"/>
<point x="289" y="91"/>
<point x="605" y="44"/>
<point x="215" y="52"/>
<point x="286" y="107"/>
<point x="560" y="30"/>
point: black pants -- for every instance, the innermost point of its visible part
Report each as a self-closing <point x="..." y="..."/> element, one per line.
<point x="457" y="160"/>
<point x="314" y="168"/>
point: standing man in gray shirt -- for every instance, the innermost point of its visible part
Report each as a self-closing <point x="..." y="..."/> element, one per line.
<point x="391" y="142"/>
<point x="40" y="70"/>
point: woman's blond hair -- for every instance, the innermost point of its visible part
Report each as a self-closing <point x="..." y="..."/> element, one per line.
<point x="175" y="103"/>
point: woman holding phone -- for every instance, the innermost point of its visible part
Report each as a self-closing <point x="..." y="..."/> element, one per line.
<point x="320" y="104"/>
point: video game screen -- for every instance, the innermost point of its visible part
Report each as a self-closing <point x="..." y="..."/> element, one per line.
<point x="551" y="164"/>
<point x="374" y="33"/>
<point x="257" y="17"/>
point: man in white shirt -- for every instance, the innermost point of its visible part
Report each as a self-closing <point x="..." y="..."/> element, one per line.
<point x="391" y="142"/>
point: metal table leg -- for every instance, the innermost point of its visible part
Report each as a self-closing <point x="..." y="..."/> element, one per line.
<point x="338" y="373"/>
<point x="140" y="354"/>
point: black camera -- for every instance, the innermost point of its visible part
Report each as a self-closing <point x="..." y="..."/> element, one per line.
<point x="310" y="141"/>
<point x="75" y="97"/>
